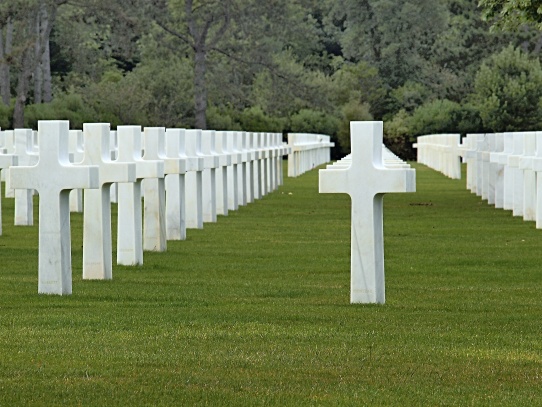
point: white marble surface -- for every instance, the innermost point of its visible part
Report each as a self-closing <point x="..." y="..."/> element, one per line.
<point x="516" y="173"/>
<point x="130" y="219"/>
<point x="211" y="163"/>
<point x="175" y="185"/>
<point x="154" y="192"/>
<point x="97" y="245"/>
<point x="24" y="151"/>
<point x="222" y="174"/>
<point x="76" y="153"/>
<point x="529" y="176"/>
<point x="194" y="180"/>
<point x="53" y="177"/>
<point x="232" y="170"/>
<point x="307" y="151"/>
<point x="6" y="161"/>
<point x="366" y="180"/>
<point x="537" y="168"/>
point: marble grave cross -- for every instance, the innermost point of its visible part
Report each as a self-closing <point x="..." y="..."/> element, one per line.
<point x="175" y="169"/>
<point x="130" y="219"/>
<point x="164" y="197"/>
<point x="24" y="208"/>
<point x="53" y="177"/>
<point x="154" y="193"/>
<point x="97" y="246"/>
<point x="6" y="161"/>
<point x="366" y="180"/>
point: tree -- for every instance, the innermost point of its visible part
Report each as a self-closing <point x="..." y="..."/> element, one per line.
<point x="396" y="36"/>
<point x="6" y="43"/>
<point x="508" y="91"/>
<point x="510" y="14"/>
<point x="28" y="25"/>
<point x="200" y="26"/>
<point x="233" y="41"/>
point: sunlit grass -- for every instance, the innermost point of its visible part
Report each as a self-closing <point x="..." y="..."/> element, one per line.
<point x="254" y="310"/>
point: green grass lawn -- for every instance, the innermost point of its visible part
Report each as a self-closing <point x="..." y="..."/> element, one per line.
<point x="254" y="310"/>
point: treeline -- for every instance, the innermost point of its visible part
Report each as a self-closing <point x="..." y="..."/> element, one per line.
<point x="422" y="66"/>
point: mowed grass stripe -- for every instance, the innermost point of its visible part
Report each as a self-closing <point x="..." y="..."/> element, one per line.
<point x="254" y="310"/>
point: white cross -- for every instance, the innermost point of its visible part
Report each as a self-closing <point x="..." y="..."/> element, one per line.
<point x="517" y="173"/>
<point x="157" y="190"/>
<point x="130" y="221"/>
<point x="175" y="184"/>
<point x="537" y="167"/>
<point x="503" y="148"/>
<point x="262" y="164"/>
<point x="8" y="148"/>
<point x="24" y="208"/>
<point x="529" y="176"/>
<point x="233" y="170"/>
<point x="194" y="179"/>
<point x="97" y="247"/>
<point x="251" y="157"/>
<point x="242" y="198"/>
<point x="222" y="174"/>
<point x="53" y="177"/>
<point x="6" y="161"/>
<point x="76" y="153"/>
<point x="366" y="180"/>
<point x="154" y="193"/>
<point x="211" y="163"/>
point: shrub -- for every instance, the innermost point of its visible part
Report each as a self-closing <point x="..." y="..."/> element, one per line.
<point x="312" y="121"/>
<point x="66" y="106"/>
<point x="221" y="119"/>
<point x="437" y="116"/>
<point x="6" y="113"/>
<point x="508" y="91"/>
<point x="255" y="119"/>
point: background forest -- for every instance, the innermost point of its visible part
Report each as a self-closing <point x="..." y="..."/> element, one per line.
<point x="422" y="66"/>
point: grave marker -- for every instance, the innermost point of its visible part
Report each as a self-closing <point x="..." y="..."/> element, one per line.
<point x="194" y="180"/>
<point x="53" y="177"/>
<point x="97" y="246"/>
<point x="154" y="193"/>
<point x="232" y="170"/>
<point x="130" y="220"/>
<point x="211" y="163"/>
<point x="222" y="174"/>
<point x="6" y="161"/>
<point x="366" y="180"/>
<point x="175" y="184"/>
<point x="24" y="205"/>
<point x="529" y="176"/>
<point x="76" y="153"/>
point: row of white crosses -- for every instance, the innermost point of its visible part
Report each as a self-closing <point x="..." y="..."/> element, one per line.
<point x="366" y="175"/>
<point x="505" y="169"/>
<point x="308" y="151"/>
<point x="502" y="168"/>
<point x="441" y="152"/>
<point x="179" y="171"/>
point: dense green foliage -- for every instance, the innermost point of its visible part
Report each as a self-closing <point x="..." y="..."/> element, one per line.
<point x="254" y="310"/>
<point x="302" y="66"/>
<point x="509" y="92"/>
<point x="513" y="13"/>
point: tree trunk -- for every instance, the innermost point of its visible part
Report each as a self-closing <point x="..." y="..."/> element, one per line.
<point x="30" y="60"/>
<point x="200" y="88"/>
<point x="5" y="53"/>
<point x="47" y="81"/>
<point x="22" y="88"/>
<point x="38" y="77"/>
